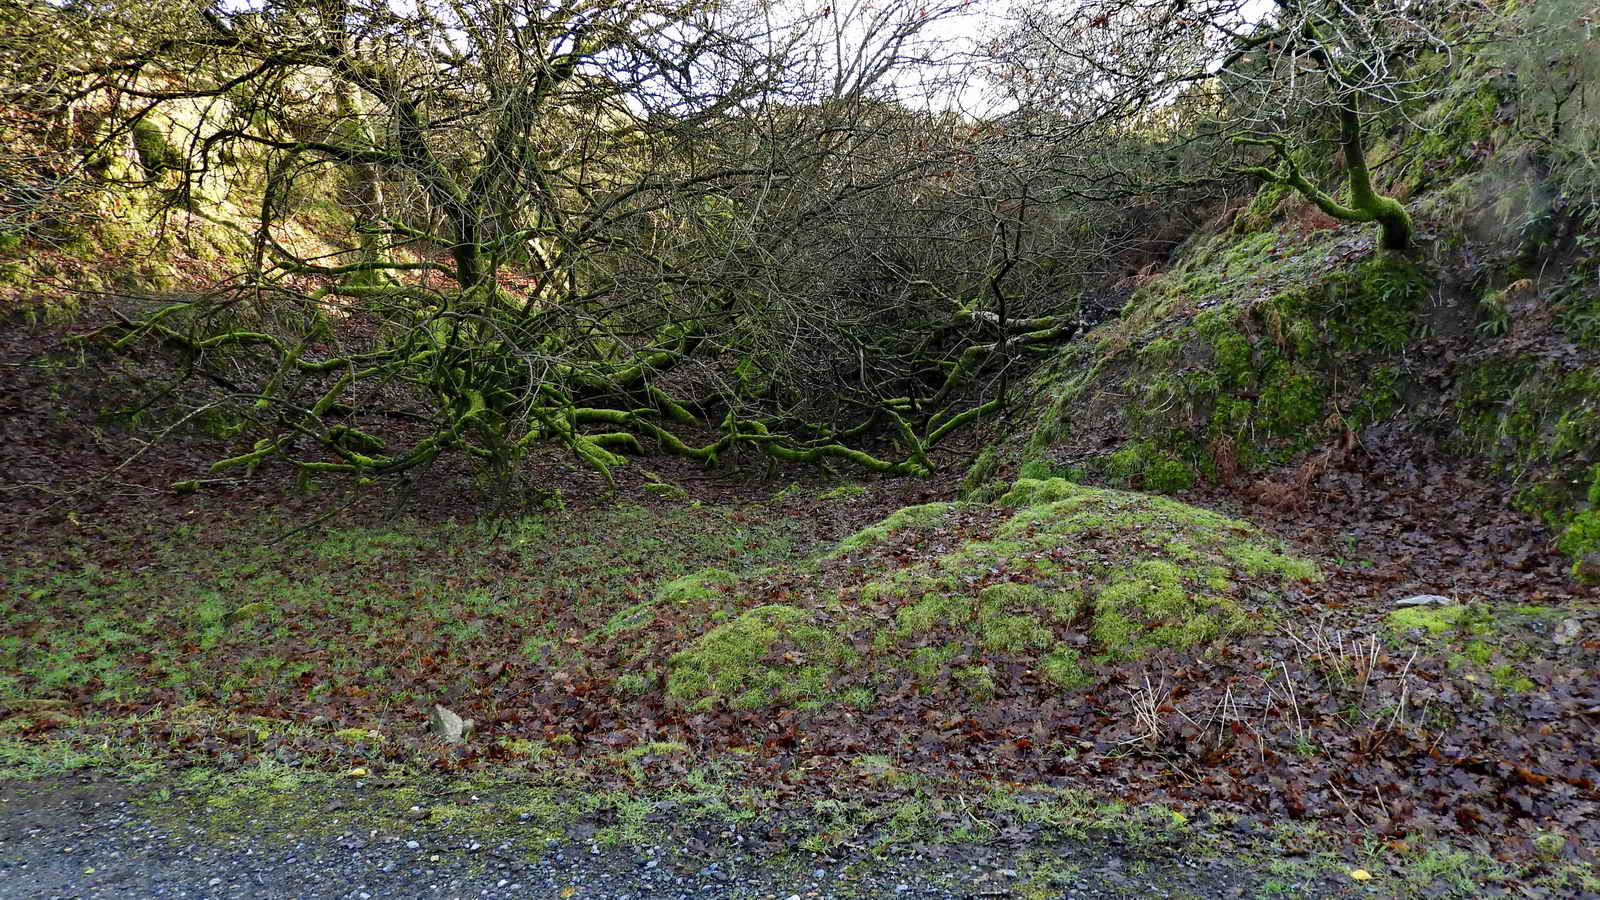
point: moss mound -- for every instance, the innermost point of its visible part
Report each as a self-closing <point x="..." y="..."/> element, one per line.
<point x="1151" y="572"/>
<point x="696" y="586"/>
<point x="901" y="519"/>
<point x="1073" y="578"/>
<point x="743" y="663"/>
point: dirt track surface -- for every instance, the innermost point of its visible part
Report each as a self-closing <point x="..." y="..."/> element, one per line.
<point x="98" y="840"/>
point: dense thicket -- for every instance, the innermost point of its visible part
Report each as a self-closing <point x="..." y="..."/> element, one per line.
<point x="708" y="227"/>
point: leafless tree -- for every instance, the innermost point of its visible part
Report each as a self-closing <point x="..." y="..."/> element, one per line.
<point x="1280" y="77"/>
<point x="651" y="217"/>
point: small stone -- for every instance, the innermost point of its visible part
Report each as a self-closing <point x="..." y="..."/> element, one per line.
<point x="1567" y="632"/>
<point x="413" y="845"/>
<point x="214" y="882"/>
<point x="819" y="874"/>
<point x="448" y="725"/>
<point x="1425" y="600"/>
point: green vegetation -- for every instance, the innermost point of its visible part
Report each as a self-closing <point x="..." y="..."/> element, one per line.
<point x="1138" y="572"/>
<point x="1540" y="425"/>
<point x="1493" y="644"/>
<point x="1253" y="373"/>
<point x="907" y="517"/>
<point x="1127" y="573"/>
<point x="726" y="663"/>
<point x="529" y="304"/>
<point x="364" y="609"/>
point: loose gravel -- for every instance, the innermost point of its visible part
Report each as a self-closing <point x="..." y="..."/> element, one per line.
<point x="98" y="841"/>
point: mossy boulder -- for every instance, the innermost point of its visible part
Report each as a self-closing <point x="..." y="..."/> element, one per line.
<point x="1072" y="578"/>
<point x="156" y="153"/>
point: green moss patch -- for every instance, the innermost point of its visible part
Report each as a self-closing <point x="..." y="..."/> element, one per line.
<point x="770" y="653"/>
<point x="1540" y="425"/>
<point x="1160" y="573"/>
<point x="1430" y="619"/>
<point x="696" y="586"/>
<point x="909" y="517"/>
<point x="1250" y="352"/>
<point x="1073" y="578"/>
<point x="1493" y="644"/>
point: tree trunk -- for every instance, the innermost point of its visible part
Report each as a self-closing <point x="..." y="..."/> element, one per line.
<point x="1391" y="216"/>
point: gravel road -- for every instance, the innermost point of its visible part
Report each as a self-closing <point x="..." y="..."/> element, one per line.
<point x="97" y="840"/>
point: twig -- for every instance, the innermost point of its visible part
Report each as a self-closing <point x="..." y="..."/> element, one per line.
<point x="1348" y="805"/>
<point x="1299" y="727"/>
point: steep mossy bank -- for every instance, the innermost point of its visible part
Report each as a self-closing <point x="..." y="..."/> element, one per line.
<point x="970" y="601"/>
<point x="1240" y="358"/>
<point x="1274" y="332"/>
<point x="1537" y="418"/>
<point x="1255" y="351"/>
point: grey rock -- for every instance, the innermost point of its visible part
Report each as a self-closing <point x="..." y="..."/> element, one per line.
<point x="1425" y="600"/>
<point x="448" y="725"/>
<point x="1567" y="632"/>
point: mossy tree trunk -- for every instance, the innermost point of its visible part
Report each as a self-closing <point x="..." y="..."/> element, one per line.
<point x="1389" y="213"/>
<point x="1366" y="204"/>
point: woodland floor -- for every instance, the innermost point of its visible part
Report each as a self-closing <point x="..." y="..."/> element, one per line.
<point x="253" y="639"/>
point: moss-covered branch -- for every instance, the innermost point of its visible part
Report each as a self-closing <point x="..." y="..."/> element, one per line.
<point x="1366" y="204"/>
